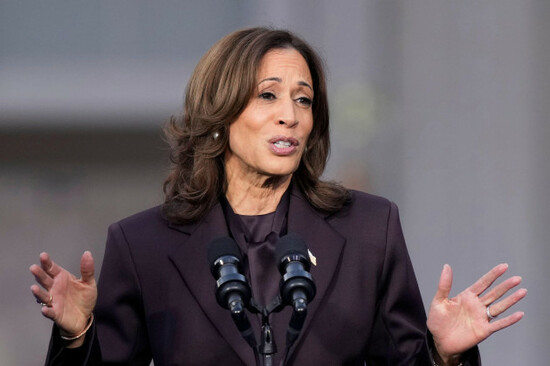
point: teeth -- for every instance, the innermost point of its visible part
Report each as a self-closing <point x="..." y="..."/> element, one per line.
<point x="282" y="144"/>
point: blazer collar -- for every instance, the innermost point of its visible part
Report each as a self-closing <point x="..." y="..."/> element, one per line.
<point x="190" y="258"/>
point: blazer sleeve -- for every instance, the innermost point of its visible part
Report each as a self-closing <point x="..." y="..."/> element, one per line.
<point x="119" y="335"/>
<point x="400" y="335"/>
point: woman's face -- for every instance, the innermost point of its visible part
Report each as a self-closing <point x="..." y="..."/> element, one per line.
<point x="270" y="135"/>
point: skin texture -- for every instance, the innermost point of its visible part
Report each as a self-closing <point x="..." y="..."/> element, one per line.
<point x="279" y="108"/>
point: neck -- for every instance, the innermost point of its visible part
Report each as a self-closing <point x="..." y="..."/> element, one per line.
<point x="255" y="197"/>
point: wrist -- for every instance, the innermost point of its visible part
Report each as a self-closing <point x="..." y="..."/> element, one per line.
<point x="438" y="360"/>
<point x="76" y="343"/>
<point x="74" y="337"/>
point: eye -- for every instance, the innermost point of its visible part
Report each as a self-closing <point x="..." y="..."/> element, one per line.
<point x="267" y="96"/>
<point x="305" y="101"/>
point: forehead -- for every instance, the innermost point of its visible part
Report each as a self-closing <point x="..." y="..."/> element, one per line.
<point x="280" y="61"/>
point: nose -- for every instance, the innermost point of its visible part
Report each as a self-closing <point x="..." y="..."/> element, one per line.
<point x="287" y="113"/>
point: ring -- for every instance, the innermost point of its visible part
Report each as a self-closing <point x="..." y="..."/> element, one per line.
<point x="41" y="303"/>
<point x="48" y="304"/>
<point x="488" y="312"/>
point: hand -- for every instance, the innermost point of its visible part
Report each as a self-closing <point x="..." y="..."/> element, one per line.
<point x="459" y="323"/>
<point x="65" y="299"/>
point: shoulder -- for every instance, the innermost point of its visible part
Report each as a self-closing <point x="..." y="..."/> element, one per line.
<point x="365" y="215"/>
<point x="367" y="205"/>
<point x="364" y="198"/>
<point x="150" y="220"/>
<point x="151" y="216"/>
<point x="144" y="228"/>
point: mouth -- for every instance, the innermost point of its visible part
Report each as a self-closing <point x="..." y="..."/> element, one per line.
<point x="282" y="145"/>
<point x="283" y="141"/>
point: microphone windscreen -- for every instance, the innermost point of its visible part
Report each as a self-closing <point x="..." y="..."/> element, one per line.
<point x="290" y="244"/>
<point x="221" y="247"/>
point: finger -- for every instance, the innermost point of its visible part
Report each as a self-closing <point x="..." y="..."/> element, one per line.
<point x="497" y="292"/>
<point x="445" y="284"/>
<point x="48" y="265"/>
<point x="87" y="267"/>
<point x="501" y="306"/>
<point x="41" y="296"/>
<point x="499" y="324"/>
<point x="48" y="312"/>
<point x="487" y="279"/>
<point x="41" y="276"/>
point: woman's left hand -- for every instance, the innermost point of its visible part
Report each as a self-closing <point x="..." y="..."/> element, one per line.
<point x="459" y="323"/>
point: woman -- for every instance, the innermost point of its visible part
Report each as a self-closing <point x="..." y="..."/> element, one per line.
<point x="248" y="153"/>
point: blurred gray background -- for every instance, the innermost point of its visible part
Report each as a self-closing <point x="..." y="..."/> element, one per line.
<point x="441" y="106"/>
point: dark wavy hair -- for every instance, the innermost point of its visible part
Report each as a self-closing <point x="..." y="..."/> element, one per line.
<point x="217" y="93"/>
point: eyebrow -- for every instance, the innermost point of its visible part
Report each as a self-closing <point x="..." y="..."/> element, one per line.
<point x="279" y="80"/>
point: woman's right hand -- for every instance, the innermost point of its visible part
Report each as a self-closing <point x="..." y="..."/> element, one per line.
<point x="67" y="300"/>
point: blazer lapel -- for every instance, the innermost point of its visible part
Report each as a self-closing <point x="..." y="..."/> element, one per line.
<point x="323" y="242"/>
<point x="190" y="258"/>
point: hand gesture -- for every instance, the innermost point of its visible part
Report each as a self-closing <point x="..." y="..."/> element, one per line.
<point x="67" y="300"/>
<point x="459" y="323"/>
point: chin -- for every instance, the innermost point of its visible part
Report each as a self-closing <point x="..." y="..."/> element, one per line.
<point x="281" y="171"/>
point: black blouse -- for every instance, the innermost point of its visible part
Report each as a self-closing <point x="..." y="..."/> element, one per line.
<point x="257" y="236"/>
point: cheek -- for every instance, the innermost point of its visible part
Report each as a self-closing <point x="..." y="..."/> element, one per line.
<point x="248" y="129"/>
<point x="241" y="139"/>
<point x="308" y="128"/>
<point x="234" y="141"/>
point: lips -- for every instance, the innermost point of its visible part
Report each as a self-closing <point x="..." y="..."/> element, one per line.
<point x="282" y="145"/>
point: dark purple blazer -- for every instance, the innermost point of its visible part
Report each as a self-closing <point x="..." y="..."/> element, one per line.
<point x="156" y="293"/>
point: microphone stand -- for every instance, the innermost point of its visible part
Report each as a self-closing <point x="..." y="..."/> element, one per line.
<point x="264" y="353"/>
<point x="268" y="348"/>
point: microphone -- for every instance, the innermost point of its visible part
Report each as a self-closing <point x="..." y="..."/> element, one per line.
<point x="232" y="290"/>
<point x="297" y="286"/>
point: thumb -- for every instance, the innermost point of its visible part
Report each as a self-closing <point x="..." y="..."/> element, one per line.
<point x="87" y="267"/>
<point x="445" y="283"/>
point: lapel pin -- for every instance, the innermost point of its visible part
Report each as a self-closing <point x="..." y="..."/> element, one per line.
<point x="312" y="258"/>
